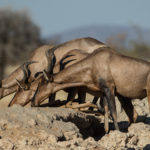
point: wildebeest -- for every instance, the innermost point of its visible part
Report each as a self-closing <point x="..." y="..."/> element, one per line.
<point x="108" y="72"/>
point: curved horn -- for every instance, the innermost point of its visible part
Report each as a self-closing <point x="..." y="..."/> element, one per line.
<point x="26" y="70"/>
<point x="51" y="59"/>
<point x="66" y="57"/>
<point x="23" y="84"/>
<point x="62" y="65"/>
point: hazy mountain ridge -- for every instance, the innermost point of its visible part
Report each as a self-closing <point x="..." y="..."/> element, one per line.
<point x="102" y="33"/>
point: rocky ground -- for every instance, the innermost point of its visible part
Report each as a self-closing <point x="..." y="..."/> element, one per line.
<point x="25" y="128"/>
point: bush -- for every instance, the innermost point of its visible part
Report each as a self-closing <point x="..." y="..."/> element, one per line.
<point x="18" y="37"/>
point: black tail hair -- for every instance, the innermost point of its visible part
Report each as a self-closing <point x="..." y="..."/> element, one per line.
<point x="102" y="83"/>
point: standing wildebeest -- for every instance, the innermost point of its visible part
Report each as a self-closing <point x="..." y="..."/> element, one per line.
<point x="9" y="84"/>
<point x="107" y="71"/>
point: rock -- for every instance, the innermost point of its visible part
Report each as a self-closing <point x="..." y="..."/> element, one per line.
<point x="115" y="139"/>
<point x="43" y="128"/>
<point x="61" y="128"/>
<point x="140" y="134"/>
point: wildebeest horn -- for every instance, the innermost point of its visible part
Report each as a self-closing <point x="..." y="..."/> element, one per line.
<point x="23" y="84"/>
<point x="62" y="65"/>
<point x="66" y="57"/>
<point x="51" y="59"/>
<point x="26" y="71"/>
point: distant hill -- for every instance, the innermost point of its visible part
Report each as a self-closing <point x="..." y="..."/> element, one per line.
<point x="101" y="32"/>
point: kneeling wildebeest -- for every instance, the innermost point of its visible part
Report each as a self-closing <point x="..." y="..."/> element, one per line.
<point x="106" y="71"/>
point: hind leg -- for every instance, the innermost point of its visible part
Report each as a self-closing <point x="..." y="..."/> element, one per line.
<point x="100" y="105"/>
<point x="128" y="107"/>
<point x="93" y="102"/>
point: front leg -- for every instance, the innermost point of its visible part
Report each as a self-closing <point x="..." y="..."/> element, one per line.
<point x="128" y="108"/>
<point x="35" y="102"/>
<point x="51" y="99"/>
<point x="71" y="96"/>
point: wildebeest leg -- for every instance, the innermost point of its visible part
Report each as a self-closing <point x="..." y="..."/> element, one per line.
<point x="4" y="91"/>
<point x="128" y="107"/>
<point x="85" y="105"/>
<point x="94" y="101"/>
<point x="18" y="101"/>
<point x="71" y="96"/>
<point x="100" y="104"/>
<point x="81" y="97"/>
<point x="51" y="99"/>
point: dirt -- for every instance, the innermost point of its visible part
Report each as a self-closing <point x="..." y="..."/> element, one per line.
<point x="48" y="128"/>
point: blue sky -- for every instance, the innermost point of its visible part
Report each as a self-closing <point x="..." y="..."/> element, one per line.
<point x="56" y="16"/>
